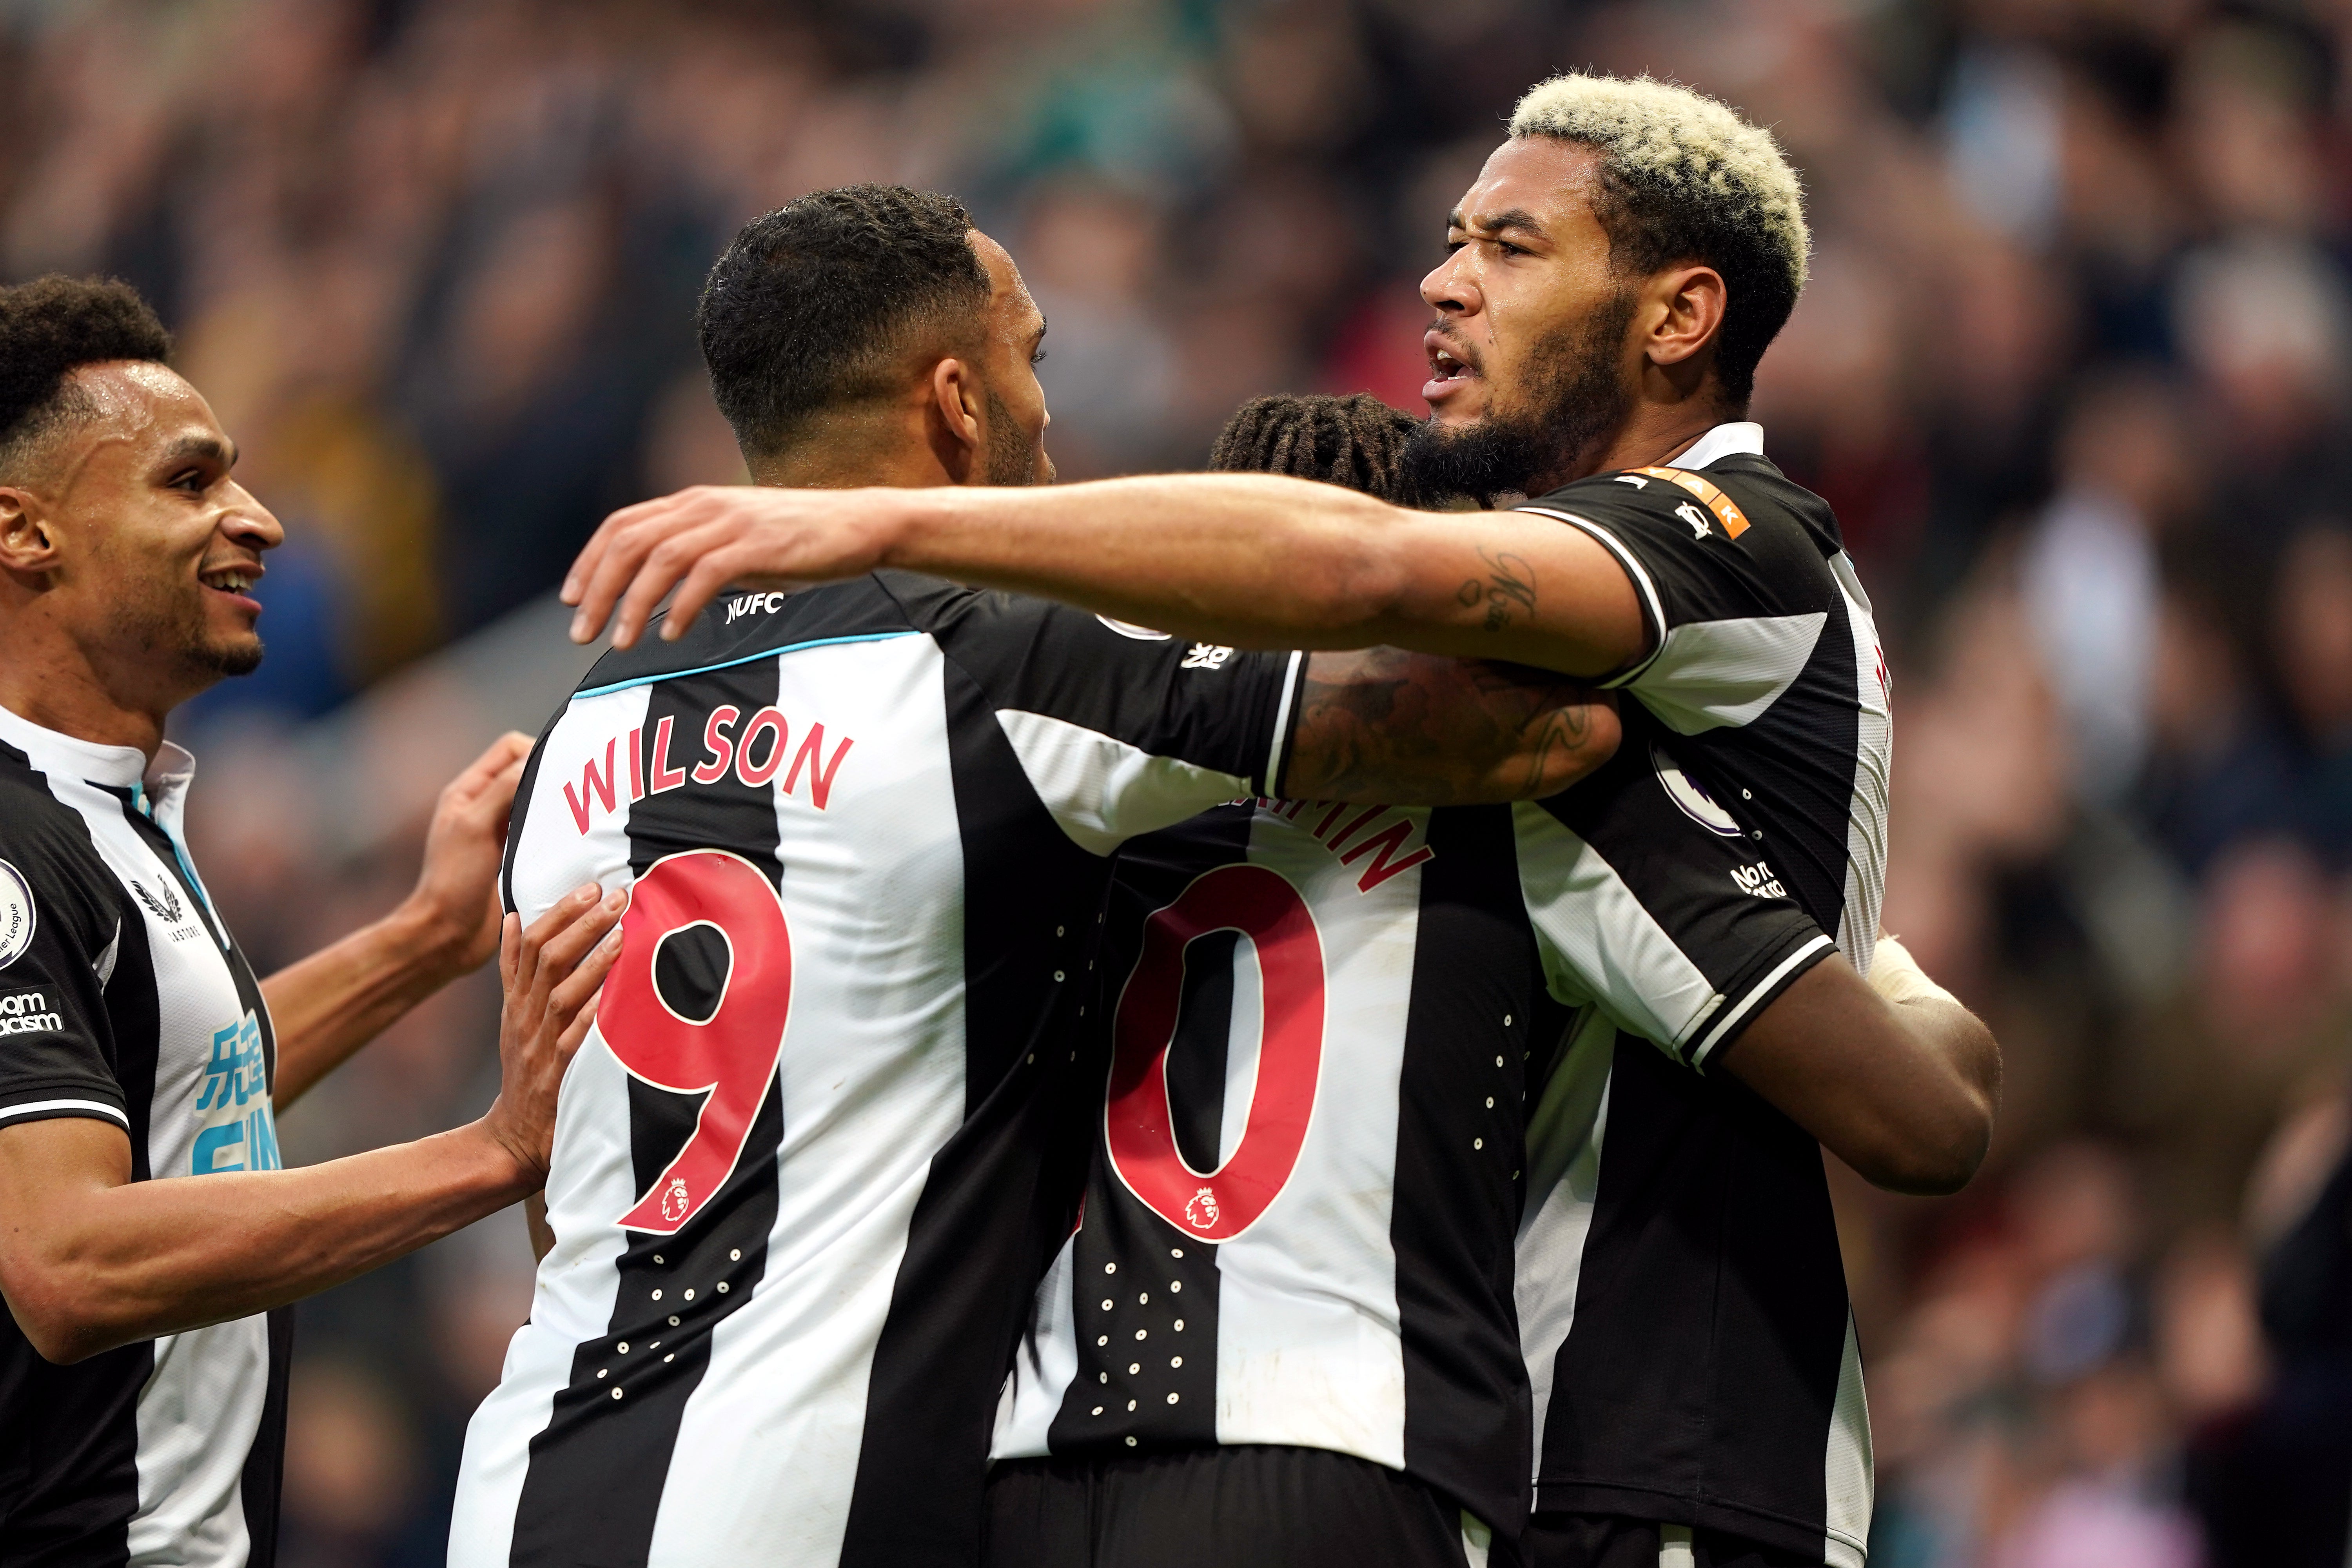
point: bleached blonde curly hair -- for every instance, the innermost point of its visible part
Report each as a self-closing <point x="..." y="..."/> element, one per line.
<point x="1683" y="178"/>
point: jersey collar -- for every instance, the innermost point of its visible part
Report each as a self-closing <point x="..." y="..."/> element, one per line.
<point x="116" y="767"/>
<point x="1730" y="438"/>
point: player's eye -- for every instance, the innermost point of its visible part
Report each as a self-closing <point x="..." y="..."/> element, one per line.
<point x="191" y="480"/>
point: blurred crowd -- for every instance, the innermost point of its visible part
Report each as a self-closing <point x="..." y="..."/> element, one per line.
<point x="2072" y="369"/>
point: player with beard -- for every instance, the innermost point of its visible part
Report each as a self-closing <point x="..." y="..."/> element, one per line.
<point x="1619" y="268"/>
<point x="143" y="1363"/>
<point x="821" y="1145"/>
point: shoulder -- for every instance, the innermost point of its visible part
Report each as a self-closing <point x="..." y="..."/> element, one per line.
<point x="1742" y="499"/>
<point x="49" y="867"/>
<point x="738" y="626"/>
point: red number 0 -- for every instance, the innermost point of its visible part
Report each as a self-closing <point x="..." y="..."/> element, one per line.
<point x="1218" y="1204"/>
<point x="730" y="1056"/>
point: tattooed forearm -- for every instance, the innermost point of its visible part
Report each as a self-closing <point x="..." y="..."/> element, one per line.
<point x="1508" y="590"/>
<point x="1409" y="729"/>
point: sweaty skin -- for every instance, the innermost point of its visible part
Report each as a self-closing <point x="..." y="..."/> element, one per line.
<point x="1906" y="1094"/>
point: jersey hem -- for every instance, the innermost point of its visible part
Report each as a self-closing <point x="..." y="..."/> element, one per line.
<point x="1729" y="1021"/>
<point x="62" y="1100"/>
<point x="1633" y="1501"/>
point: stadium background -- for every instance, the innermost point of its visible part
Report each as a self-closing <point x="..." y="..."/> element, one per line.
<point x="2072" y="368"/>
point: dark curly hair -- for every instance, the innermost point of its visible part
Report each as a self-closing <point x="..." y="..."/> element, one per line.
<point x="813" y="303"/>
<point x="1351" y="441"/>
<point x="51" y="327"/>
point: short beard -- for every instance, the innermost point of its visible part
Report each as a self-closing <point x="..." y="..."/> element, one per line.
<point x="169" y="639"/>
<point x="1012" y="459"/>
<point x="1576" y="395"/>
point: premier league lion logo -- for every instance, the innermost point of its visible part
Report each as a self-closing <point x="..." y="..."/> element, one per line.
<point x="1201" y="1213"/>
<point x="675" y="1201"/>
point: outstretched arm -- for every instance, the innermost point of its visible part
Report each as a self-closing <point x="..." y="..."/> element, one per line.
<point x="90" y="1259"/>
<point x="1245" y="559"/>
<point x="1386" y="726"/>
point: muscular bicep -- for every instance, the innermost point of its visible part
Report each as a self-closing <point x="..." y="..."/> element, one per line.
<point x="49" y="1170"/>
<point x="1518" y="586"/>
<point x="1408" y="728"/>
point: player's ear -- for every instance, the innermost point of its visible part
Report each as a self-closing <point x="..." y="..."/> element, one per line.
<point x="955" y="417"/>
<point x="1686" y="312"/>
<point x="27" y="543"/>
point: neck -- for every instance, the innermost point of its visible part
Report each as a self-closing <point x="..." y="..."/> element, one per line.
<point x="888" y="447"/>
<point x="1652" y="435"/>
<point x="47" y="677"/>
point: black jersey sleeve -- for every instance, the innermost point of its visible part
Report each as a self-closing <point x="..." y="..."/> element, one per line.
<point x="1121" y="729"/>
<point x="1652" y="902"/>
<point x="1734" y="580"/>
<point x="57" y="936"/>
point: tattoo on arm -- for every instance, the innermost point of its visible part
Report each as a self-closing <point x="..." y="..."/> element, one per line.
<point x="1508" y="589"/>
<point x="1386" y="725"/>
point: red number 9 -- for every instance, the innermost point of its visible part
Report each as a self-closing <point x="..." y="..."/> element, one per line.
<point x="1218" y="1204"/>
<point x="731" y="1056"/>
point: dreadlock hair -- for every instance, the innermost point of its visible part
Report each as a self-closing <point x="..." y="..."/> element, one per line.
<point x="1353" y="441"/>
<point x="51" y="327"/>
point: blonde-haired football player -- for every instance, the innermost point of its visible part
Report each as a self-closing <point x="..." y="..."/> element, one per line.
<point x="1616" y="272"/>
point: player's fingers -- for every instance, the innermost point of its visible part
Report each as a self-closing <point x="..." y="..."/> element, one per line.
<point x="544" y="929"/>
<point x="713" y="571"/>
<point x="564" y="950"/>
<point x="510" y="952"/>
<point x="590" y="559"/>
<point x="625" y="552"/>
<point x="567" y="1044"/>
<point x="573" y="991"/>
<point x="668" y="561"/>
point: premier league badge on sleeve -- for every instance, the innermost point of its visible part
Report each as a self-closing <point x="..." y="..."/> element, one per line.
<point x="16" y="914"/>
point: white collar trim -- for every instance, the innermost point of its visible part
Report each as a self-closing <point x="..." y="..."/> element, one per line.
<point x="1728" y="439"/>
<point x="118" y="766"/>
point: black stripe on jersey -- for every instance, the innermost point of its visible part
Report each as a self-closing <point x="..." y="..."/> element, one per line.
<point x="976" y="1246"/>
<point x="265" y="1465"/>
<point x="1135" y="1277"/>
<point x="1467" y="1036"/>
<point x="597" y="1471"/>
<point x="1713" y="1249"/>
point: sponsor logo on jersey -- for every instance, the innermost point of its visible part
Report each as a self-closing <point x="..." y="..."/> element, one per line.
<point x="17" y="914"/>
<point x="755" y="750"/>
<point x="1129" y="629"/>
<point x="1207" y="656"/>
<point x="29" y="1012"/>
<point x="1694" y="802"/>
<point x="1758" y="881"/>
<point x="166" y="908"/>
<point x="239" y="1134"/>
<point x="1727" y="510"/>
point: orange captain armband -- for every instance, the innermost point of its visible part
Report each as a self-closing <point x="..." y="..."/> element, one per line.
<point x="1727" y="510"/>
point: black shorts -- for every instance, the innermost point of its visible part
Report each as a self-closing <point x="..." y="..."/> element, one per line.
<point x="1606" y="1540"/>
<point x="1243" y="1506"/>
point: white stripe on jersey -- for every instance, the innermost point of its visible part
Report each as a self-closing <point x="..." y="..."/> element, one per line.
<point x="1708" y="674"/>
<point x="1845" y="1472"/>
<point x="1591" y="917"/>
<point x="1733" y="1014"/>
<point x="1076" y="771"/>
<point x="1873" y="766"/>
<point x="1565" y="1135"/>
<point x="43" y="1107"/>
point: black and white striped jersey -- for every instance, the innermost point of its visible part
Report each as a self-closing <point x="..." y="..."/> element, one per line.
<point x="1682" y="1298"/>
<point x="1299" y="1228"/>
<point x="124" y="999"/>
<point x="1298" y="1225"/>
<point x="823" y="1140"/>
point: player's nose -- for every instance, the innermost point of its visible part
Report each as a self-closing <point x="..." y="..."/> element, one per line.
<point x="250" y="522"/>
<point x="1447" y="289"/>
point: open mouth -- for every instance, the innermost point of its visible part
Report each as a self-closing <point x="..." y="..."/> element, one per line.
<point x="235" y="581"/>
<point x="1444" y="366"/>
